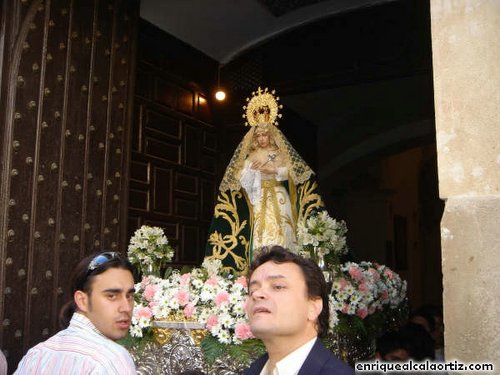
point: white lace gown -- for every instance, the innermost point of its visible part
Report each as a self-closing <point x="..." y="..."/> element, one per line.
<point x="272" y="219"/>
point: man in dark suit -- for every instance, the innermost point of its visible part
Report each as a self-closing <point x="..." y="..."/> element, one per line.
<point x="288" y="310"/>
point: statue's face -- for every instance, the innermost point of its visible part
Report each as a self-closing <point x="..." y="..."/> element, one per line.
<point x="263" y="139"/>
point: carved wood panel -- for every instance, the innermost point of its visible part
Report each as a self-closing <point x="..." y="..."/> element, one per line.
<point x="66" y="78"/>
<point x="174" y="145"/>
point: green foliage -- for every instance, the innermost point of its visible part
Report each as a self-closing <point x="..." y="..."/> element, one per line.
<point x="137" y="343"/>
<point x="395" y="318"/>
<point x="351" y="325"/>
<point x="185" y="269"/>
<point x="244" y="353"/>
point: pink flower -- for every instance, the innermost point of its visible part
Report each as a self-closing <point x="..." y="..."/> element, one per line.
<point x="362" y="313"/>
<point x="149" y="292"/>
<point x="145" y="281"/>
<point x="212" y="281"/>
<point x="221" y="298"/>
<point x="345" y="308"/>
<point x="212" y="321"/>
<point x="242" y="331"/>
<point x="374" y="273"/>
<point x="144" y="312"/>
<point x="182" y="297"/>
<point x="363" y="287"/>
<point x="389" y="274"/>
<point x="152" y="304"/>
<point x="384" y="294"/>
<point x="355" y="273"/>
<point x="242" y="280"/>
<point x="189" y="310"/>
<point x="343" y="283"/>
<point x="185" y="279"/>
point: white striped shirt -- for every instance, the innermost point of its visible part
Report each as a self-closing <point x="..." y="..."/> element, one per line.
<point x="79" y="349"/>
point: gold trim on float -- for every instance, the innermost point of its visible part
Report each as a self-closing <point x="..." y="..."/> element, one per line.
<point x="164" y="329"/>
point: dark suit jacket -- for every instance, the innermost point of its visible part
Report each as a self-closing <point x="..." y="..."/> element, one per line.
<point x="320" y="361"/>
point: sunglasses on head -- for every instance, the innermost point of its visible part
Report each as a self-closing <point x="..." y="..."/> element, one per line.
<point x="100" y="260"/>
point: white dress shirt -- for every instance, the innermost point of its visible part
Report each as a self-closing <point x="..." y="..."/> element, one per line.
<point x="291" y="364"/>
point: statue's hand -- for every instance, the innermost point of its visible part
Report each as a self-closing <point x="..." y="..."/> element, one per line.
<point x="268" y="169"/>
<point x="256" y="164"/>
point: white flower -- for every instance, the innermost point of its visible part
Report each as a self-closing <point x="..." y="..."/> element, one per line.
<point x="213" y="266"/>
<point x="320" y="235"/>
<point x="202" y="295"/>
<point x="224" y="337"/>
<point x="135" y="330"/>
<point x="334" y="319"/>
<point x="149" y="246"/>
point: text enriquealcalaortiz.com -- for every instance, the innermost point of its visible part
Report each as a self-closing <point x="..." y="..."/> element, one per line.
<point x="424" y="366"/>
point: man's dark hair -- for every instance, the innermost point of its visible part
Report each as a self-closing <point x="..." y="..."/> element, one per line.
<point x="315" y="280"/>
<point x="431" y="313"/>
<point x="391" y="341"/>
<point x="421" y="344"/>
<point x="83" y="276"/>
<point x="427" y="316"/>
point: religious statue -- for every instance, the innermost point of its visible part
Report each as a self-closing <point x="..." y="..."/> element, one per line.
<point x="266" y="190"/>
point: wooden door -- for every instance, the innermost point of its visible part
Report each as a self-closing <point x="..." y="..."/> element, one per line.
<point x="66" y="79"/>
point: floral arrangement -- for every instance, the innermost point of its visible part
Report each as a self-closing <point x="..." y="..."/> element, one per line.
<point x="395" y="293"/>
<point x="321" y="236"/>
<point x="149" y="250"/>
<point x="203" y="295"/>
<point x="364" y="297"/>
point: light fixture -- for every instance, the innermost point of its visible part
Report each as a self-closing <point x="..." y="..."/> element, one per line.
<point x="220" y="94"/>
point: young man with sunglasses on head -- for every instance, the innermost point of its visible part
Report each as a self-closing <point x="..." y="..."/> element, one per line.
<point x="99" y="314"/>
<point x="288" y="310"/>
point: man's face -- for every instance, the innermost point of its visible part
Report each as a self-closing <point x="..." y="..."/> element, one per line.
<point x="278" y="304"/>
<point x="110" y="304"/>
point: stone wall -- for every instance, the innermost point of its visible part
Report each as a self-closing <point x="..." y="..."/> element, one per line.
<point x="466" y="51"/>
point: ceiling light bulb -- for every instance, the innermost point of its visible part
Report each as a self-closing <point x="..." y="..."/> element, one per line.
<point x="220" y="95"/>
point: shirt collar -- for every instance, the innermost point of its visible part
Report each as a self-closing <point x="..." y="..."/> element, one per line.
<point x="291" y="364"/>
<point x="81" y="320"/>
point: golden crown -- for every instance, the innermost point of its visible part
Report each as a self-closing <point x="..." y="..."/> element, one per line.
<point x="262" y="108"/>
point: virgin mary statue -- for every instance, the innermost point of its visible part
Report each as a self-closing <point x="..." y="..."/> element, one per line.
<point x="266" y="190"/>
